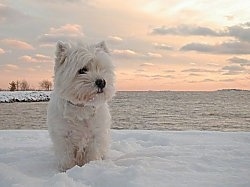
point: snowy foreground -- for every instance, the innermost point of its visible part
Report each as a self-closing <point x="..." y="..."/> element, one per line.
<point x="24" y="96"/>
<point x="137" y="158"/>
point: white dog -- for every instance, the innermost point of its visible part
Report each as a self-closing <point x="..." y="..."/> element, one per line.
<point x="78" y="117"/>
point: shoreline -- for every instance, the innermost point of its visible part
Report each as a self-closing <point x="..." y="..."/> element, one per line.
<point x="24" y="96"/>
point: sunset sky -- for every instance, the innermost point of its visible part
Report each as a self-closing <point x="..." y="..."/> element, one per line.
<point x="155" y="44"/>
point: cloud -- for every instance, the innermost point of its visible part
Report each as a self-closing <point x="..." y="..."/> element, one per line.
<point x="197" y="47"/>
<point x="240" y="32"/>
<point x="240" y="61"/>
<point x="185" y="30"/>
<point x="195" y="74"/>
<point x="115" y="39"/>
<point x="124" y="53"/>
<point x="36" y="58"/>
<point x="212" y="80"/>
<point x="68" y="32"/>
<point x="208" y="80"/>
<point x="196" y="70"/>
<point x="162" y="46"/>
<point x="63" y="1"/>
<point x="229" y="17"/>
<point x="68" y="29"/>
<point x="213" y="64"/>
<point x="11" y="67"/>
<point x="240" y="44"/>
<point x="66" y="1"/>
<point x="233" y="70"/>
<point x="246" y="24"/>
<point x="155" y="76"/>
<point x="153" y="55"/>
<point x="232" y="47"/>
<point x="202" y="81"/>
<point x="162" y="76"/>
<point x="127" y="53"/>
<point x="147" y="64"/>
<point x="1" y="51"/>
<point x="169" y="71"/>
<point x="47" y="45"/>
<point x="18" y="44"/>
<point x="226" y="80"/>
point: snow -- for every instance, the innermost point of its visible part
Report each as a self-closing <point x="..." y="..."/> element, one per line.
<point x="137" y="158"/>
<point x="24" y="96"/>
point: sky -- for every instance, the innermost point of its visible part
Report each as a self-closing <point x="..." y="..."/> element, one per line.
<point x="183" y="45"/>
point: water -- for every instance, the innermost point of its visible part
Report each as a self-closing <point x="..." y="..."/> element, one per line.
<point x="219" y="111"/>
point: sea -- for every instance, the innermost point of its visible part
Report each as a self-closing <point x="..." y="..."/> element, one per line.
<point x="225" y="110"/>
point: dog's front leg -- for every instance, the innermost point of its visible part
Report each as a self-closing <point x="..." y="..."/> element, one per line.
<point x="98" y="147"/>
<point x="65" y="153"/>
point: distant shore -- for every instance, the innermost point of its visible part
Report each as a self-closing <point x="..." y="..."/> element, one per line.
<point x="24" y="96"/>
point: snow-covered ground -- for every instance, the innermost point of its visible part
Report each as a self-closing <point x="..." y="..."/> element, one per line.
<point x="24" y="96"/>
<point x="137" y="158"/>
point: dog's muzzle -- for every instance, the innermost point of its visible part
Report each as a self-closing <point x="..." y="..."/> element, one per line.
<point x="100" y="83"/>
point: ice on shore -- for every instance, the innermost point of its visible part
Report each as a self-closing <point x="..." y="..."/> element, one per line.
<point x="24" y="96"/>
<point x="137" y="159"/>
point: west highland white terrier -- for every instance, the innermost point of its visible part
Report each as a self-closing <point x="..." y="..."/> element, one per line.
<point x="78" y="115"/>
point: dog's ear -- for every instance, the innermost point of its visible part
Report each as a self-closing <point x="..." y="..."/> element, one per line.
<point x="102" y="45"/>
<point x="61" y="52"/>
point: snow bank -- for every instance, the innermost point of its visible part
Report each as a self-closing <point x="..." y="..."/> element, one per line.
<point x="24" y="96"/>
<point x="137" y="158"/>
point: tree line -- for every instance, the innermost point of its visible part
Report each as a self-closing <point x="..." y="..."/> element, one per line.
<point x="23" y="85"/>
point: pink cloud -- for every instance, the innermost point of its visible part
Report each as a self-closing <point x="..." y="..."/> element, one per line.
<point x="127" y="53"/>
<point x="115" y="39"/>
<point x="124" y="53"/>
<point x="154" y="55"/>
<point x="65" y="32"/>
<point x="36" y="58"/>
<point x="147" y="64"/>
<point x="1" y="51"/>
<point x="11" y="67"/>
<point x="71" y="29"/>
<point x="17" y="44"/>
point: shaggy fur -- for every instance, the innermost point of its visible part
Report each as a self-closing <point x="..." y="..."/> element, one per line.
<point x="78" y="117"/>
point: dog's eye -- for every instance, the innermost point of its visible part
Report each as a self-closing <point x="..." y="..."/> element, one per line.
<point x="83" y="70"/>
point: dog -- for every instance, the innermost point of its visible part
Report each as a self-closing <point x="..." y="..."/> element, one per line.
<point x="78" y="116"/>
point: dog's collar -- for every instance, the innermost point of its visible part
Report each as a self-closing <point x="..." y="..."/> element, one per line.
<point x="78" y="111"/>
<point x="79" y="105"/>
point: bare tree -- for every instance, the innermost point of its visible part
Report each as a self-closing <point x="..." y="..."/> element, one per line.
<point x="24" y="85"/>
<point x="12" y="86"/>
<point x="46" y="84"/>
<point x="17" y="85"/>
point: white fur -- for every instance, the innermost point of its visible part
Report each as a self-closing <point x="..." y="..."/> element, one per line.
<point x="78" y="117"/>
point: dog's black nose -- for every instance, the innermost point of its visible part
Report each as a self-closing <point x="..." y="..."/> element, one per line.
<point x="100" y="83"/>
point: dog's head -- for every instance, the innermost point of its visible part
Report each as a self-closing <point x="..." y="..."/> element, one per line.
<point x="84" y="73"/>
